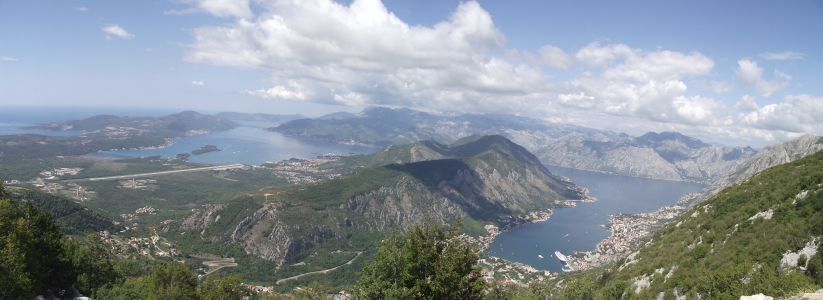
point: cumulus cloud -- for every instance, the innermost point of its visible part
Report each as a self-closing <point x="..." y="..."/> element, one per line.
<point x="596" y="55"/>
<point x="747" y="104"/>
<point x="335" y="50"/>
<point x="648" y="84"/>
<point x="361" y="54"/>
<point x="785" y="55"/>
<point x="797" y="113"/>
<point x="198" y="82"/>
<point x="752" y="74"/>
<point x="219" y="8"/>
<point x="555" y="57"/>
<point x="115" y="30"/>
<point x="292" y="91"/>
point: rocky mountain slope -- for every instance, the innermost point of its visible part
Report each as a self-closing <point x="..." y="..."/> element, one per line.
<point x="772" y="156"/>
<point x="667" y="155"/>
<point x="762" y="235"/>
<point x="483" y="180"/>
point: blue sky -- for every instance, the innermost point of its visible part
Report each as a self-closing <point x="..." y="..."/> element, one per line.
<point x="737" y="72"/>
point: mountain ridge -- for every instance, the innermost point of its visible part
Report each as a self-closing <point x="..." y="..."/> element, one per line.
<point x="487" y="181"/>
<point x="665" y="155"/>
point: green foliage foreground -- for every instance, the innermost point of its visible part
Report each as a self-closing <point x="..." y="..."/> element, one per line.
<point x="429" y="262"/>
<point x="37" y="259"/>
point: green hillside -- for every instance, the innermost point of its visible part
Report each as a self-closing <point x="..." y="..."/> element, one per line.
<point x="748" y="239"/>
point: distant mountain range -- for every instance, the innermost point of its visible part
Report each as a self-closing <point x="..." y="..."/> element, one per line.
<point x="483" y="180"/>
<point x="106" y="132"/>
<point x="667" y="155"/>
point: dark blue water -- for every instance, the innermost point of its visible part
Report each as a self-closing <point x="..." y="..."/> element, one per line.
<point x="579" y="228"/>
<point x="246" y="144"/>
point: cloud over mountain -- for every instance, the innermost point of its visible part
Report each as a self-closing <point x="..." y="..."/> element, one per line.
<point x="363" y="54"/>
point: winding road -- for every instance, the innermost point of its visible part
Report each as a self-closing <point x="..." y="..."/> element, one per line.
<point x="319" y="272"/>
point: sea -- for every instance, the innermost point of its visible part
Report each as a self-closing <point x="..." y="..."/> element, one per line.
<point x="249" y="143"/>
<point x="581" y="228"/>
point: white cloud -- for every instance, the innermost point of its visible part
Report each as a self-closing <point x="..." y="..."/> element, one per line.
<point x="362" y="54"/>
<point x="293" y="91"/>
<point x="751" y="74"/>
<point x="9" y="59"/>
<point x="785" y="55"/>
<point x="747" y="104"/>
<point x="81" y="9"/>
<point x="642" y="84"/>
<point x="555" y="57"/>
<point x="352" y="99"/>
<point x="115" y="30"/>
<point x="335" y="50"/>
<point x="595" y="55"/>
<point x="219" y="8"/>
<point x="198" y="82"/>
<point x="797" y="113"/>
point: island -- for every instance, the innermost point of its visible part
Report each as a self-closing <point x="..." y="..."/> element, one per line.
<point x="206" y="149"/>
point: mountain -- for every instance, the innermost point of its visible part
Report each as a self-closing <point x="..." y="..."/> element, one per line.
<point x="105" y="132"/>
<point x="666" y="155"/>
<point x="759" y="236"/>
<point x="483" y="180"/>
<point x="257" y="117"/>
<point x="772" y="156"/>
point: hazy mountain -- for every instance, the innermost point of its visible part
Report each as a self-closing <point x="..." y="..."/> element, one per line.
<point x="257" y="117"/>
<point x="772" y="156"/>
<point x="484" y="180"/>
<point x="666" y="155"/>
<point x="105" y="132"/>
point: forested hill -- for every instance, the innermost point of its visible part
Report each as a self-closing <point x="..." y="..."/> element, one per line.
<point x="70" y="217"/>
<point x="760" y="236"/>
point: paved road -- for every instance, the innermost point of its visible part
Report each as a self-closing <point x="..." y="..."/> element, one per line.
<point x="130" y="176"/>
<point x="318" y="272"/>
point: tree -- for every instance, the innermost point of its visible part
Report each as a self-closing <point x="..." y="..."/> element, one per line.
<point x="93" y="264"/>
<point x="172" y="281"/>
<point x="32" y="256"/>
<point x="429" y="262"/>
<point x="226" y="288"/>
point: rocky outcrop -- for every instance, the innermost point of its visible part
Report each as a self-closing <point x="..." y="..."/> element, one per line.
<point x="263" y="234"/>
<point x="201" y="218"/>
<point x="771" y="156"/>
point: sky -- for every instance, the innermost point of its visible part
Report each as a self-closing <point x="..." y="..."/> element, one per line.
<point x="728" y="72"/>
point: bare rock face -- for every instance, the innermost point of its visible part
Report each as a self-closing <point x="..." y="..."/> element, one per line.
<point x="772" y="156"/>
<point x="263" y="235"/>
<point x="401" y="206"/>
<point x="201" y="218"/>
<point x="668" y="156"/>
